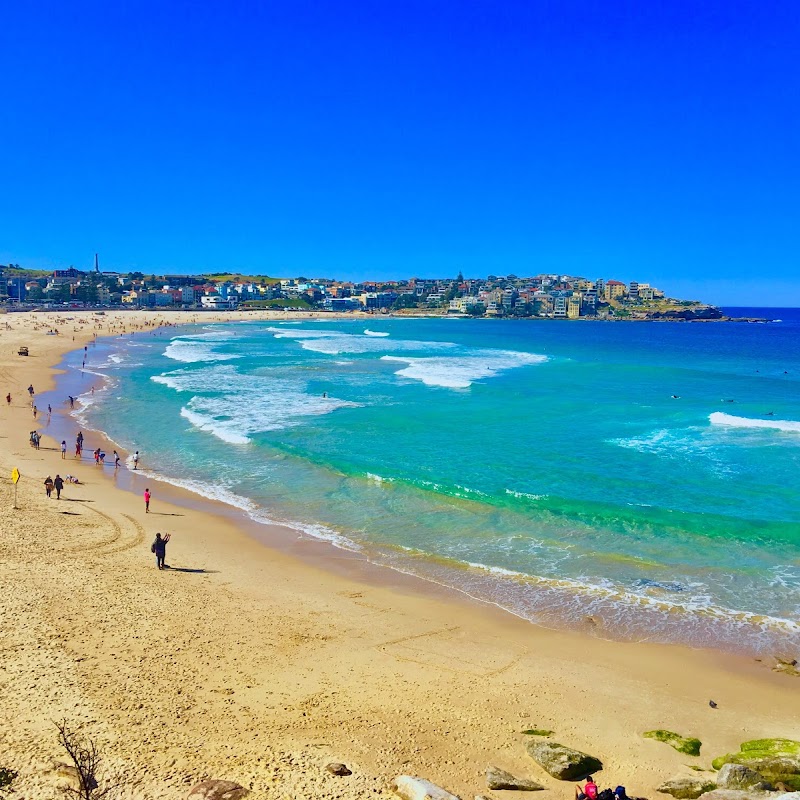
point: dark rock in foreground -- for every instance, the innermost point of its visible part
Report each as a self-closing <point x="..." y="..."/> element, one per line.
<point x="563" y="762"/>
<point x="335" y="768"/>
<point x="739" y="794"/>
<point x="500" y="779"/>
<point x="217" y="790"/>
<point x="738" y="776"/>
<point x="686" y="788"/>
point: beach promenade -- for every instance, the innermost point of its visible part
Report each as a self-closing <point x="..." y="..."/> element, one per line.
<point x="259" y="665"/>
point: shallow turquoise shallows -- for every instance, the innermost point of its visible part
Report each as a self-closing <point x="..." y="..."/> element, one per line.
<point x="636" y="479"/>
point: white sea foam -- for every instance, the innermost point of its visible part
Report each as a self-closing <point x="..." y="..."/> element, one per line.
<point x="525" y="495"/>
<point x="728" y="420"/>
<point x="368" y="332"/>
<point x="698" y="444"/>
<point x="245" y="404"/>
<point x="225" y="494"/>
<point x="200" y="347"/>
<point x="598" y="595"/>
<point x="460" y="372"/>
<point x="333" y="343"/>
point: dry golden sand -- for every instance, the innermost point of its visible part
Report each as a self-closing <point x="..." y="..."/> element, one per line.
<point x="256" y="666"/>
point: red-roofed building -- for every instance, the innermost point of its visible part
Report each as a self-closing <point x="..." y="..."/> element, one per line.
<point x="614" y="290"/>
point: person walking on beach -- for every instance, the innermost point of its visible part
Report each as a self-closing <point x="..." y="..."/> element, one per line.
<point x="116" y="460"/>
<point x="136" y="460"/>
<point x="58" y="483"/>
<point x="8" y="398"/>
<point x="31" y="392"/>
<point x="63" y="448"/>
<point x="48" y="485"/>
<point x="159" y="547"/>
<point x="79" y="439"/>
<point x="146" y="501"/>
<point x="35" y="412"/>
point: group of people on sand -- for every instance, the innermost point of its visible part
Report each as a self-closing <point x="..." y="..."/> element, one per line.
<point x="591" y="792"/>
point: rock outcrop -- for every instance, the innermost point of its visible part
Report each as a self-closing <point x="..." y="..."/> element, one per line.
<point x="563" y="762"/>
<point x="684" y="788"/>
<point x="336" y="768"/>
<point x="738" y="794"/>
<point x="776" y="760"/>
<point x="500" y="779"/>
<point x="217" y="790"/>
<point x="410" y="788"/>
<point x="738" y="776"/>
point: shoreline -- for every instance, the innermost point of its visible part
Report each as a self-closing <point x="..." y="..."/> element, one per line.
<point x="529" y="597"/>
<point x="382" y="675"/>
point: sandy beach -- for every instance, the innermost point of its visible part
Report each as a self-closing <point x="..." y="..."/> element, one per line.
<point x="262" y="664"/>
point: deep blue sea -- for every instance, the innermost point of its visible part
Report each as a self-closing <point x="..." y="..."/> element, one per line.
<point x="637" y="480"/>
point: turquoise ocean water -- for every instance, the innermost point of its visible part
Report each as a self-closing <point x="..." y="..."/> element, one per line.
<point x="542" y="466"/>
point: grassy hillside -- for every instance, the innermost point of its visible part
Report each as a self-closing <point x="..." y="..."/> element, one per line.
<point x="238" y="277"/>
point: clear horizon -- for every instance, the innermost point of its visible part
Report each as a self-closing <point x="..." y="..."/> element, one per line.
<point x="377" y="142"/>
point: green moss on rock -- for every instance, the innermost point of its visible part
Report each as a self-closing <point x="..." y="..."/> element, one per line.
<point x="782" y="746"/>
<point x="537" y="732"/>
<point x="778" y="760"/>
<point x="683" y="744"/>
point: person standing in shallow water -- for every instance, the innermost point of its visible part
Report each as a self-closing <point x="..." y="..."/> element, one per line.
<point x="159" y="547"/>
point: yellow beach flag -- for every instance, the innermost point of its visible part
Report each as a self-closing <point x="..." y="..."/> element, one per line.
<point x="15" y="477"/>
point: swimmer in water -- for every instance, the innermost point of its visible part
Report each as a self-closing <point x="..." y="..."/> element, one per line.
<point x="676" y="397"/>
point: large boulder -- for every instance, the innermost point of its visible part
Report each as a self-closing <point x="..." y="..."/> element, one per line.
<point x="738" y="794"/>
<point x="500" y="779"/>
<point x="777" y="760"/>
<point x="684" y="788"/>
<point x="410" y="788"/>
<point x="563" y="762"/>
<point x="738" y="776"/>
<point x="337" y="768"/>
<point x="217" y="790"/>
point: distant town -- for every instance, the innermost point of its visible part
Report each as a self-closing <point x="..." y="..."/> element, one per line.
<point x="551" y="296"/>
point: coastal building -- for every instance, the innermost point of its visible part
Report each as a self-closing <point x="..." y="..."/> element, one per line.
<point x="614" y="290"/>
<point x="574" y="306"/>
<point x="217" y="302"/>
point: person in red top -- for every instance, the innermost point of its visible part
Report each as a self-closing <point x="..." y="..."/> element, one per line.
<point x="147" y="501"/>
<point x="589" y="792"/>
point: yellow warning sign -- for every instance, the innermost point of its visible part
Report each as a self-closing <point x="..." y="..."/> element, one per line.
<point x="15" y="475"/>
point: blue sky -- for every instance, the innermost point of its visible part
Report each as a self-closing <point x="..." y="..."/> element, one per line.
<point x="654" y="141"/>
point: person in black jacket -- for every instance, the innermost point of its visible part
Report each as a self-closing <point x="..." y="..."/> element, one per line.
<point x="58" y="485"/>
<point x="159" y="547"/>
